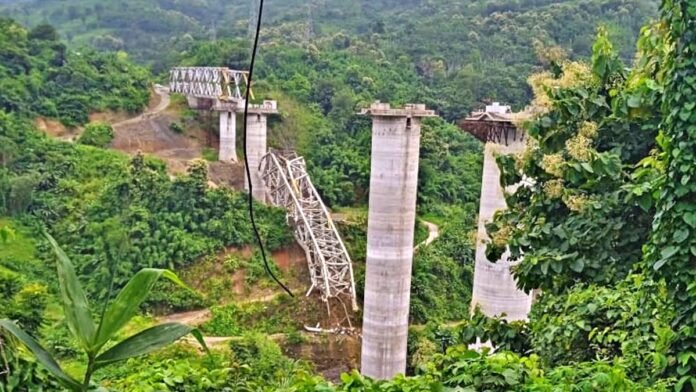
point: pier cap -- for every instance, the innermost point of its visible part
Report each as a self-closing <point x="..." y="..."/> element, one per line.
<point x="409" y="110"/>
<point x="267" y="107"/>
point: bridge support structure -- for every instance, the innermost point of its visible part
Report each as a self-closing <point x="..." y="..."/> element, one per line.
<point x="391" y="219"/>
<point x="495" y="289"/>
<point x="256" y="149"/>
<point x="221" y="89"/>
<point x="228" y="136"/>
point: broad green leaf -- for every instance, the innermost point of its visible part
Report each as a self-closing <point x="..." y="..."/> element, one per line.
<point x="659" y="264"/>
<point x="145" y="342"/>
<point x="128" y="301"/>
<point x="75" y="303"/>
<point x="587" y="167"/>
<point x="690" y="219"/>
<point x="669" y="252"/>
<point x="680" y="235"/>
<point x="634" y="101"/>
<point x="577" y="265"/>
<point x="41" y="354"/>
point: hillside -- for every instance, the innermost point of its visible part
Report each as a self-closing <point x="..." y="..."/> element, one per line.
<point x="600" y="224"/>
<point x="465" y="52"/>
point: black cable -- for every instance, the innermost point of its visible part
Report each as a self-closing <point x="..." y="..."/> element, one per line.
<point x="246" y="159"/>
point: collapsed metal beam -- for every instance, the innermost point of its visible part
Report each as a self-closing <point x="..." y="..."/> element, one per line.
<point x="289" y="186"/>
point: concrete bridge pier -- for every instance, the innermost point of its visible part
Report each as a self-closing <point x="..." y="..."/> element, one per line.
<point x="495" y="289"/>
<point x="256" y="149"/>
<point x="391" y="218"/>
<point x="228" y="136"/>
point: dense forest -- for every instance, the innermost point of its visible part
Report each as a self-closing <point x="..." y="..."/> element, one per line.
<point x="604" y="228"/>
<point x="463" y="52"/>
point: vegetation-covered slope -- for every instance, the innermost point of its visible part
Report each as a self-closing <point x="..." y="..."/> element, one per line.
<point x="610" y="153"/>
<point x="465" y="51"/>
<point x="39" y="76"/>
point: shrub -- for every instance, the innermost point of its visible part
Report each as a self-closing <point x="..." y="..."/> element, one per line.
<point x="210" y="154"/>
<point x="97" y="135"/>
<point x="176" y="127"/>
<point x="630" y="321"/>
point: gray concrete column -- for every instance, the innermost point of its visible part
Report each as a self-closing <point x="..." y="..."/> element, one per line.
<point x="228" y="136"/>
<point x="391" y="219"/>
<point x="495" y="290"/>
<point x="256" y="149"/>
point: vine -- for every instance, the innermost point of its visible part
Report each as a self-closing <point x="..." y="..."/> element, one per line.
<point x="672" y="248"/>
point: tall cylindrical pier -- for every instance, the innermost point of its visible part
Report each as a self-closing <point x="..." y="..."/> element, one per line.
<point x="256" y="149"/>
<point x="495" y="289"/>
<point x="228" y="136"/>
<point x="391" y="218"/>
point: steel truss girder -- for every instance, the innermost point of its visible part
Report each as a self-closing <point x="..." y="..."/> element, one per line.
<point x="208" y="82"/>
<point x="288" y="185"/>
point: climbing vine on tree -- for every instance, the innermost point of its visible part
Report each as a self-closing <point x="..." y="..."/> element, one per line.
<point x="672" y="248"/>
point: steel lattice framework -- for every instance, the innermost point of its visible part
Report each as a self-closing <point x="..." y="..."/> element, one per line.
<point x="208" y="82"/>
<point x="289" y="186"/>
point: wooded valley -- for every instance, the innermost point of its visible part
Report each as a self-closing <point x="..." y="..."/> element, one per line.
<point x="117" y="215"/>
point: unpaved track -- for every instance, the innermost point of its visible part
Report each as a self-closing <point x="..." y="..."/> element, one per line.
<point x="164" y="100"/>
<point x="198" y="317"/>
<point x="150" y="133"/>
<point x="433" y="234"/>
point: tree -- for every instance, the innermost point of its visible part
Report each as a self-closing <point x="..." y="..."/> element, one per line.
<point x="44" y="32"/>
<point x="93" y="338"/>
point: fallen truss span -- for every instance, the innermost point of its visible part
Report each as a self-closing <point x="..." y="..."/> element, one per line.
<point x="288" y="186"/>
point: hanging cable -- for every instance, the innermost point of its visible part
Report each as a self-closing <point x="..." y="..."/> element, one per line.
<point x="246" y="159"/>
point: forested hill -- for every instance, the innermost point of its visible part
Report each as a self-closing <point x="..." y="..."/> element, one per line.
<point x="468" y="51"/>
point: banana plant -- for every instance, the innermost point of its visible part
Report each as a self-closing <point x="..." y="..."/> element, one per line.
<point x="94" y="338"/>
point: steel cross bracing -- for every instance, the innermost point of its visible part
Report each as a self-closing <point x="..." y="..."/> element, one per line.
<point x="288" y="185"/>
<point x="208" y="82"/>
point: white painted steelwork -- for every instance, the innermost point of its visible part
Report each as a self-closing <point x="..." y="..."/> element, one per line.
<point x="289" y="186"/>
<point x="208" y="82"/>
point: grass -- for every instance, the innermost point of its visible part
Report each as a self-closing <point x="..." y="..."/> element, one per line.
<point x="210" y="154"/>
<point x="19" y="252"/>
<point x="282" y="315"/>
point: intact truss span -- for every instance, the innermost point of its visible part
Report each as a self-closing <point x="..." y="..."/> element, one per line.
<point x="208" y="82"/>
<point x="288" y="186"/>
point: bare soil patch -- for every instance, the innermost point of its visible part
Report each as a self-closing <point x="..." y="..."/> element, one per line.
<point x="57" y="130"/>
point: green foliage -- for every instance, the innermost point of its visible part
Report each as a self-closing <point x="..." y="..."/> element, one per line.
<point x="442" y="275"/>
<point x="462" y="52"/>
<point x="178" y="368"/>
<point x="450" y="168"/>
<point x="575" y="219"/>
<point x="132" y="215"/>
<point x="671" y="252"/>
<point x="40" y="76"/>
<point x="278" y="316"/>
<point x="22" y="301"/>
<point x="6" y="234"/>
<point x="464" y="370"/>
<point x="93" y="338"/>
<point x="424" y="343"/>
<point x="176" y="127"/>
<point x="21" y="374"/>
<point x="97" y="135"/>
<point x="630" y="321"/>
<point x="440" y="286"/>
<point x="504" y="335"/>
